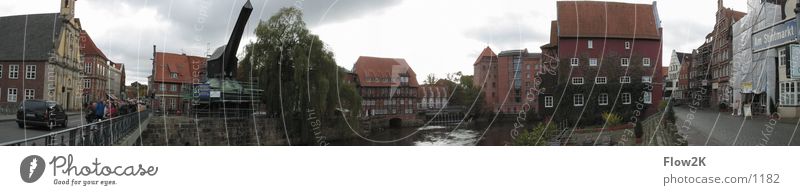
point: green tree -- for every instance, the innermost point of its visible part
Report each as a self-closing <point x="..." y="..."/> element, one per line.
<point x="538" y="136"/>
<point x="296" y="66"/>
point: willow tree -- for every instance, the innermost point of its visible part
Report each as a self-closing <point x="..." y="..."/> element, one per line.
<point x="300" y="78"/>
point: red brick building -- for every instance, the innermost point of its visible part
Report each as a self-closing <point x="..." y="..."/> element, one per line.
<point x="172" y="79"/>
<point x="604" y="64"/>
<point x="95" y="70"/>
<point x="388" y="88"/>
<point x="506" y="79"/>
<point x="722" y="55"/>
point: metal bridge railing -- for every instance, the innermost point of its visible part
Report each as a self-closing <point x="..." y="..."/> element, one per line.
<point x="102" y="133"/>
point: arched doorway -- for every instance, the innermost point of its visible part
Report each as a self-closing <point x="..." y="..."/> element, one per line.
<point x="395" y="123"/>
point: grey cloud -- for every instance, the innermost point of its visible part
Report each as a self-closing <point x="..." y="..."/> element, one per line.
<point x="510" y="32"/>
<point x="201" y="25"/>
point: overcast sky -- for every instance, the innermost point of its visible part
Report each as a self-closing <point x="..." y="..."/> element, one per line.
<point x="434" y="36"/>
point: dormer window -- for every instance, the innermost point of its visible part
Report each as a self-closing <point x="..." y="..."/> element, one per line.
<point x="174" y="75"/>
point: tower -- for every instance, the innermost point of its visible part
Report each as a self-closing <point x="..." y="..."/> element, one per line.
<point x="68" y="9"/>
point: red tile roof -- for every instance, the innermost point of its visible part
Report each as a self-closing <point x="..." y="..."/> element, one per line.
<point x="383" y="72"/>
<point x="487" y="52"/>
<point x="184" y="65"/>
<point x="88" y="47"/>
<point x="607" y="19"/>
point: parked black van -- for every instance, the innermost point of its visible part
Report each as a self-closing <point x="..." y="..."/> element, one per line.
<point x="41" y="113"/>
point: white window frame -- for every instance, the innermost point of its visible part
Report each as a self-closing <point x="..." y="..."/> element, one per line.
<point x="626" y="98"/>
<point x="1" y="71"/>
<point x="624" y="61"/>
<point x="30" y="72"/>
<point x="9" y="95"/>
<point x="592" y="61"/>
<point x="13" y="71"/>
<point x="647" y="79"/>
<point x="173" y="75"/>
<point x="577" y="100"/>
<point x="625" y="79"/>
<point x="645" y="61"/>
<point x="602" y="99"/>
<point x="31" y="95"/>
<point x="87" y="84"/>
<point x="173" y="87"/>
<point x="600" y="80"/>
<point x="589" y="44"/>
<point x="574" y="61"/>
<point x="627" y="45"/>
<point x="577" y="80"/>
<point x="548" y="101"/>
<point x="647" y="97"/>
<point x="789" y="93"/>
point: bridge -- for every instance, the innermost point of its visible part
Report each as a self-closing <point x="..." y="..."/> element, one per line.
<point x="121" y="130"/>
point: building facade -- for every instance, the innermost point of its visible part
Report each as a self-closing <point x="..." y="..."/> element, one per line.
<point x="388" y="88"/>
<point x="95" y="70"/>
<point x="433" y="96"/>
<point x="40" y="58"/>
<point x="506" y="79"/>
<point x="172" y="79"/>
<point x="603" y="65"/>
<point x="673" y="74"/>
<point x="721" y="56"/>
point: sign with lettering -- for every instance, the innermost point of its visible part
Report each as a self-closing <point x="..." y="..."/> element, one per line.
<point x="202" y="91"/>
<point x="777" y="35"/>
<point x="794" y="61"/>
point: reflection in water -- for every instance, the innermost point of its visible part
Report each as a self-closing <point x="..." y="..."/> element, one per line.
<point x="496" y="135"/>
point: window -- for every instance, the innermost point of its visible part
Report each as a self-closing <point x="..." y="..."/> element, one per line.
<point x="173" y="87"/>
<point x="172" y="104"/>
<point x="626" y="98"/>
<point x="646" y="62"/>
<point x="589" y="44"/>
<point x="647" y="97"/>
<point x="602" y="99"/>
<point x="548" y="101"/>
<point x="30" y="94"/>
<point x="12" y="95"/>
<point x="577" y="80"/>
<point x="592" y="61"/>
<point x="87" y="83"/>
<point x="30" y="72"/>
<point x="13" y="71"/>
<point x="173" y="75"/>
<point x="790" y="93"/>
<point x="625" y="61"/>
<point x="163" y="87"/>
<point x="1" y="71"/>
<point x="577" y="100"/>
<point x="625" y="79"/>
<point x="627" y="45"/>
<point x="600" y="80"/>
<point x="647" y="79"/>
<point x="574" y="61"/>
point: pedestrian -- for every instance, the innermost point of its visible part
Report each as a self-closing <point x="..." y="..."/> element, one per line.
<point x="90" y="115"/>
<point x="100" y="110"/>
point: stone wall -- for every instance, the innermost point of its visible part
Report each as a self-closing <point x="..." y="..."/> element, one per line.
<point x="189" y="131"/>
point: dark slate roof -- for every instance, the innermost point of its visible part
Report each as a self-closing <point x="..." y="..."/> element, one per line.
<point x="38" y="39"/>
